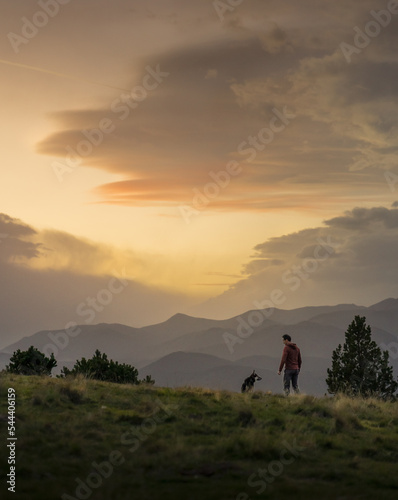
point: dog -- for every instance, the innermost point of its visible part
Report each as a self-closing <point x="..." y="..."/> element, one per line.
<point x="248" y="383"/>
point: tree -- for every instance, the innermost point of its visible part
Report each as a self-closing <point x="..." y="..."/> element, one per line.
<point x="31" y="362"/>
<point x="100" y="368"/>
<point x="360" y="367"/>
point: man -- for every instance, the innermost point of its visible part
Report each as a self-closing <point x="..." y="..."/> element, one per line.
<point x="291" y="359"/>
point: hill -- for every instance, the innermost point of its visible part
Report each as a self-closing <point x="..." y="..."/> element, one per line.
<point x="86" y="439"/>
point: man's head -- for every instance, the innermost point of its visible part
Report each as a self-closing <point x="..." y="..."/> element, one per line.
<point x="286" y="338"/>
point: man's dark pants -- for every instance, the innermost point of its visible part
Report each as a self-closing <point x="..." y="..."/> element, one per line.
<point x="290" y="376"/>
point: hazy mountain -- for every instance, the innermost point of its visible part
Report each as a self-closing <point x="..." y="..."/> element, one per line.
<point x="385" y="305"/>
<point x="293" y="316"/>
<point x="311" y="337"/>
<point x="177" y="325"/>
<point x="386" y="320"/>
<point x="181" y="324"/>
<point x="4" y="360"/>
<point x="220" y="353"/>
<point x="116" y="340"/>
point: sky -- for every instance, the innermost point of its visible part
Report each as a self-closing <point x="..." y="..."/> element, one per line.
<point x="204" y="157"/>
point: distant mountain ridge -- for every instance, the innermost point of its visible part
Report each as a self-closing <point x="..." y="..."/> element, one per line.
<point x="186" y="350"/>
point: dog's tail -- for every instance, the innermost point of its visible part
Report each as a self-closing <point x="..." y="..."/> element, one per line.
<point x="243" y="388"/>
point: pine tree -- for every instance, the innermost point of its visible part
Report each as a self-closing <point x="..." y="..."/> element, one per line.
<point x="360" y="367"/>
<point x="31" y="362"/>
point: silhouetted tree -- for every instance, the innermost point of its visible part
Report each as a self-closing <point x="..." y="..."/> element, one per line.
<point x="147" y="380"/>
<point x="31" y="362"/>
<point x="360" y="367"/>
<point x="100" y="368"/>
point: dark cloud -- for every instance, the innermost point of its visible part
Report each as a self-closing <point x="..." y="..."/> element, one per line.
<point x="257" y="265"/>
<point x="13" y="244"/>
<point x="221" y="91"/>
<point x="364" y="218"/>
<point x="351" y="258"/>
<point x="14" y="227"/>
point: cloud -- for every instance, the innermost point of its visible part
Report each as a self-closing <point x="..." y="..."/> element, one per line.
<point x="257" y="265"/>
<point x="364" y="219"/>
<point x="356" y="103"/>
<point x="351" y="258"/>
<point x="47" y="274"/>
<point x="13" y="242"/>
<point x="221" y="91"/>
<point x="168" y="145"/>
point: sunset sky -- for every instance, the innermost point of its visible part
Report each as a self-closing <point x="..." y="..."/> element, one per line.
<point x="213" y="154"/>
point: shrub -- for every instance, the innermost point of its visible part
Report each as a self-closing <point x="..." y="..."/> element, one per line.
<point x="31" y="362"/>
<point x="100" y="368"/>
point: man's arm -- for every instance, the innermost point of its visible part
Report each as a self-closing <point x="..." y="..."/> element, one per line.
<point x="283" y="360"/>
<point x="299" y="359"/>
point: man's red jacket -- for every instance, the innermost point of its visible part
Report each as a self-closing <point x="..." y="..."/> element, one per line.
<point x="291" y="357"/>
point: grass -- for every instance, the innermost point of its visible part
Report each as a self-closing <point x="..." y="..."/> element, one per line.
<point x="160" y="443"/>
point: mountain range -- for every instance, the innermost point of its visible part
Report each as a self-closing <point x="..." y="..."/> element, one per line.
<point x="219" y="354"/>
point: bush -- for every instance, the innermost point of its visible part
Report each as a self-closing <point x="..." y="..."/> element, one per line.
<point x="31" y="362"/>
<point x="100" y="368"/>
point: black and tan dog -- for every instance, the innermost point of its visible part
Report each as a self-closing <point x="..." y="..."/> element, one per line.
<point x="248" y="384"/>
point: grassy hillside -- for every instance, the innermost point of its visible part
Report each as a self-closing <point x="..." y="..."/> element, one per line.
<point x="154" y="443"/>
